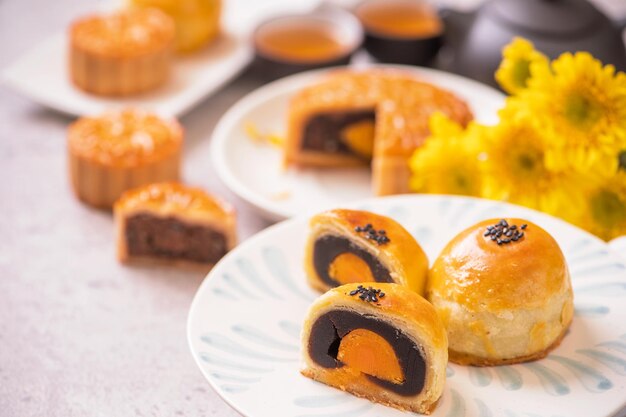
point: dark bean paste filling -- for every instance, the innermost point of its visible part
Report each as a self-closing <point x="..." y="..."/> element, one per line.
<point x="330" y="328"/>
<point x="170" y="238"/>
<point x="322" y="133"/>
<point x="328" y="247"/>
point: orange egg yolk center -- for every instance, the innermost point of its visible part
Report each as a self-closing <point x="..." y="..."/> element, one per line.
<point x="371" y="354"/>
<point x="349" y="268"/>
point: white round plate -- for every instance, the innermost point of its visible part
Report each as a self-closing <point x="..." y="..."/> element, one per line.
<point x="244" y="325"/>
<point x="254" y="171"/>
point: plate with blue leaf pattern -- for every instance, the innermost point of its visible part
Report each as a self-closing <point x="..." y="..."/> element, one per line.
<point x="244" y="325"/>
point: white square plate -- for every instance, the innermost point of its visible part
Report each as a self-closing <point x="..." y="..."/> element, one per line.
<point x="41" y="74"/>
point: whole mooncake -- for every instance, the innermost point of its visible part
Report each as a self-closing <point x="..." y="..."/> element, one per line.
<point x="119" y="150"/>
<point x="123" y="53"/>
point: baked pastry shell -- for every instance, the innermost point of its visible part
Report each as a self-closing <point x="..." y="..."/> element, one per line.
<point x="99" y="178"/>
<point x="107" y="68"/>
<point x="212" y="213"/>
<point x="403" y="309"/>
<point x="402" y="105"/>
<point x="402" y="255"/>
<point x="505" y="303"/>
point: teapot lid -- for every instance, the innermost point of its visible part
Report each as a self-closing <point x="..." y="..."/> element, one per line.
<point x="548" y="17"/>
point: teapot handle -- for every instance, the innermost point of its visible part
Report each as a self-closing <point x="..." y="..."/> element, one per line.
<point x="456" y="24"/>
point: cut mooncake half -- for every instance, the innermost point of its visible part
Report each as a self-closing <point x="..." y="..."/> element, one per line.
<point x="503" y="291"/>
<point x="346" y="246"/>
<point x="358" y="117"/>
<point x="384" y="343"/>
<point x="173" y="223"/>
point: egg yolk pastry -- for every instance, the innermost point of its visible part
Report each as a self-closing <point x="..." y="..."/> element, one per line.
<point x="376" y="116"/>
<point x="503" y="291"/>
<point x="346" y="246"/>
<point x="383" y="342"/>
<point x="173" y="223"/>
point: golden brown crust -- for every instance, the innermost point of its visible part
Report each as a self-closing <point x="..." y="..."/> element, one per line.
<point x="126" y="138"/>
<point x="402" y="255"/>
<point x="403" y="105"/>
<point x="405" y="310"/>
<point x="467" y="359"/>
<point x="197" y="21"/>
<point x="174" y="200"/>
<point x="121" y="54"/>
<point x="478" y="273"/>
<point x="360" y="392"/>
<point x="501" y="303"/>
<point x="398" y="302"/>
<point x="114" y="152"/>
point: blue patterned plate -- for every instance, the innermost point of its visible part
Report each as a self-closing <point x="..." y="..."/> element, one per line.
<point x="245" y="320"/>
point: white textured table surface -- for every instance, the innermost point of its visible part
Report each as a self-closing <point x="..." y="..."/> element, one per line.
<point x="81" y="335"/>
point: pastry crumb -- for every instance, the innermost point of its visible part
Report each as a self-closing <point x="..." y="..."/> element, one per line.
<point x="281" y="195"/>
<point x="256" y="135"/>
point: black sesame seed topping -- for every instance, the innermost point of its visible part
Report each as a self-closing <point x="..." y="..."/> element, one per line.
<point x="378" y="236"/>
<point x="503" y="233"/>
<point x="369" y="294"/>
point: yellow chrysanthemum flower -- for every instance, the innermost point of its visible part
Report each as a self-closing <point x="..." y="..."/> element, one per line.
<point x="517" y="170"/>
<point x="515" y="69"/>
<point x="583" y="104"/>
<point x="606" y="208"/>
<point x="447" y="163"/>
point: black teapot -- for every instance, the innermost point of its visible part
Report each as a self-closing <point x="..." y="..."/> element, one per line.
<point x="475" y="40"/>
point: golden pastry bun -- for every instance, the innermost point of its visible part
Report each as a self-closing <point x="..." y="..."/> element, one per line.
<point x="503" y="299"/>
<point x="385" y="252"/>
<point x="379" y="331"/>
